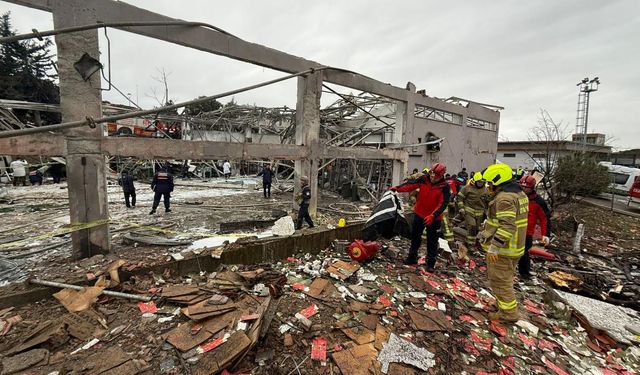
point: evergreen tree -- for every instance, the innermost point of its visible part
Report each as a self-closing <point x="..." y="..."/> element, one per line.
<point x="26" y="72"/>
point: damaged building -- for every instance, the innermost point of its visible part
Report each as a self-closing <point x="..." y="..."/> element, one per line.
<point x="224" y="283"/>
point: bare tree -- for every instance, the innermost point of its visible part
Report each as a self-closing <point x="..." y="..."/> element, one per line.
<point x="549" y="133"/>
<point x="161" y="78"/>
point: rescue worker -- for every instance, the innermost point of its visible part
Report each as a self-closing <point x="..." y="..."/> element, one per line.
<point x="35" y="177"/>
<point x="463" y="173"/>
<point x="413" y="196"/>
<point x="432" y="201"/>
<point x="447" y="228"/>
<point x="303" y="199"/>
<point x="226" y="169"/>
<point x="162" y="185"/>
<point x="539" y="213"/>
<point x="503" y="237"/>
<point x="19" y="172"/>
<point x="519" y="173"/>
<point x="267" y="175"/>
<point x="473" y="200"/>
<point x="128" y="188"/>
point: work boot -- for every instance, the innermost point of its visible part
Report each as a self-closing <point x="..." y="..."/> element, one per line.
<point x="167" y="210"/>
<point x="411" y="261"/>
<point x="505" y="316"/>
<point x="152" y="212"/>
<point x="431" y="269"/>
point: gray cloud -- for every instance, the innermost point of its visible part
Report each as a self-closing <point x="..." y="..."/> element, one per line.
<point x="520" y="55"/>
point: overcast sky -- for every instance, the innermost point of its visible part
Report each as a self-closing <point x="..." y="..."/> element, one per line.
<point x="520" y="55"/>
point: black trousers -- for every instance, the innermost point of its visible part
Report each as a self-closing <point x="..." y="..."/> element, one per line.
<point x="156" y="200"/>
<point x="524" y="264"/>
<point x="303" y="214"/>
<point x="131" y="195"/>
<point x="416" y="239"/>
<point x="266" y="187"/>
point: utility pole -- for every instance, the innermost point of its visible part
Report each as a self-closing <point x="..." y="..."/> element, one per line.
<point x="586" y="87"/>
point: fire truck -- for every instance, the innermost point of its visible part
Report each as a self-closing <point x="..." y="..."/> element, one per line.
<point x="143" y="127"/>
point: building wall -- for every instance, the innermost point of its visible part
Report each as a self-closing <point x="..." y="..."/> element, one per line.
<point x="464" y="145"/>
<point x="526" y="160"/>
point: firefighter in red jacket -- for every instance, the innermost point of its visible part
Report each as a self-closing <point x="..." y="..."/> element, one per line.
<point x="539" y="213"/>
<point x="431" y="203"/>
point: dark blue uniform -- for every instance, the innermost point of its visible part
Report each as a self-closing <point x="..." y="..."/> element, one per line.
<point x="129" y="189"/>
<point x="303" y="213"/>
<point x="162" y="185"/>
<point x="267" y="175"/>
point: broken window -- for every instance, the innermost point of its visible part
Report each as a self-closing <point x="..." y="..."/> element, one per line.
<point x="482" y="124"/>
<point x="437" y="114"/>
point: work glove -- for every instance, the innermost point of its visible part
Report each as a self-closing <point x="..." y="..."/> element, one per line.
<point x="461" y="211"/>
<point x="428" y="220"/>
<point x="492" y="254"/>
<point x="545" y="241"/>
<point x="481" y="237"/>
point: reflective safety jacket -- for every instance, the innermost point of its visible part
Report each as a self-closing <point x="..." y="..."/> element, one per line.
<point x="432" y="198"/>
<point x="474" y="200"/>
<point x="507" y="218"/>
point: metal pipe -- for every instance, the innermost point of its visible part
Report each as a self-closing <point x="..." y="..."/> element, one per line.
<point x="76" y="287"/>
<point x="75" y="124"/>
<point x="73" y="29"/>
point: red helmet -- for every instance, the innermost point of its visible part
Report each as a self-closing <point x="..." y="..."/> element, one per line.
<point x="438" y="170"/>
<point x="528" y="182"/>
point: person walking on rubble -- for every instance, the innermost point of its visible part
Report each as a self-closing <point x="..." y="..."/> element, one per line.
<point x="431" y="203"/>
<point x="162" y="185"/>
<point x="539" y="213"/>
<point x="503" y="237"/>
<point x="128" y="188"/>
<point x="19" y="168"/>
<point x="226" y="170"/>
<point x="472" y="204"/>
<point x="267" y="176"/>
<point x="303" y="199"/>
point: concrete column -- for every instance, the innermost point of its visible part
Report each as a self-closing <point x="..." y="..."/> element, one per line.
<point x="86" y="167"/>
<point x="403" y="133"/>
<point x="308" y="133"/>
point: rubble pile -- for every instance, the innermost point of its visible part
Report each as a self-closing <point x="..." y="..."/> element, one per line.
<point x="317" y="314"/>
<point x="606" y="264"/>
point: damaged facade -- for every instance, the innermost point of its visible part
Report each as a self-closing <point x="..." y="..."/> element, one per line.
<point x="224" y="284"/>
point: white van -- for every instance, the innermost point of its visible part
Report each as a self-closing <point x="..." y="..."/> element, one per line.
<point x="622" y="177"/>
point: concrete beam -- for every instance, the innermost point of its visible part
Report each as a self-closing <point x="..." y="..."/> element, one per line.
<point x="36" y="145"/>
<point x="86" y="167"/>
<point x="55" y="145"/>
<point x="199" y="150"/>
<point x="212" y="41"/>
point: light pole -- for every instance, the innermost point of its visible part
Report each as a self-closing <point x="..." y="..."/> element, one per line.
<point x="129" y="97"/>
<point x="586" y="87"/>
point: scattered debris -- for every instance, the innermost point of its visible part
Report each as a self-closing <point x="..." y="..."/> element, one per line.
<point x="402" y="351"/>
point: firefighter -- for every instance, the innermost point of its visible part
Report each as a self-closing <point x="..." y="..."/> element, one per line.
<point x="162" y="185"/>
<point x="432" y="201"/>
<point x="303" y="199"/>
<point x="503" y="237"/>
<point x="413" y="196"/>
<point x="447" y="228"/>
<point x="472" y="204"/>
<point x="539" y="213"/>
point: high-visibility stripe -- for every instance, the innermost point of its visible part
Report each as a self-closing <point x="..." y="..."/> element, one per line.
<point x="504" y="233"/>
<point x="507" y="305"/>
<point x="505" y="214"/>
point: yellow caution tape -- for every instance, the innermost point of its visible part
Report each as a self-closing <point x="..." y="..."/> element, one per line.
<point x="66" y="229"/>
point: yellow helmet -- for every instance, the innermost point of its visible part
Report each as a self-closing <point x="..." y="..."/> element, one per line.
<point x="477" y="176"/>
<point x="498" y="174"/>
<point x="425" y="170"/>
